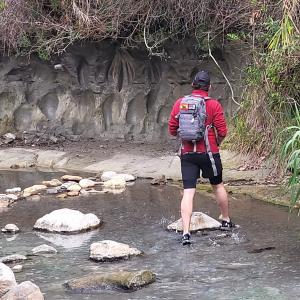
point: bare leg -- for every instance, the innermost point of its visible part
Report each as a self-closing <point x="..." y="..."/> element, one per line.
<point x="222" y="200"/>
<point x="187" y="208"/>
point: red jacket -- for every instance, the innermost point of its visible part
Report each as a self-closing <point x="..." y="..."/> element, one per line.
<point x="215" y="116"/>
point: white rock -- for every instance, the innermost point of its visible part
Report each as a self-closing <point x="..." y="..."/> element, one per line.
<point x="12" y="258"/>
<point x="3" y="197"/>
<point x="17" y="268"/>
<point x="13" y="190"/>
<point x="115" y="183"/>
<point x="68" y="183"/>
<point x="44" y="249"/>
<point x="52" y="183"/>
<point x="127" y="177"/>
<point x="10" y="228"/>
<point x="199" y="221"/>
<point x="86" y="183"/>
<point x="7" y="279"/>
<point x="35" y="189"/>
<point x="24" y="291"/>
<point x="9" y="136"/>
<point x="67" y="220"/>
<point x="110" y="250"/>
<point x="74" y="188"/>
<point x="108" y="175"/>
<point x="71" y="178"/>
<point x="12" y="197"/>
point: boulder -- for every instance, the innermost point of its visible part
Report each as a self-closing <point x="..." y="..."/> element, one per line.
<point x="199" y="221"/>
<point x="74" y="188"/>
<point x="86" y="183"/>
<point x="44" y="249"/>
<point x="67" y="221"/>
<point x="93" y="283"/>
<point x="13" y="190"/>
<point x="109" y="250"/>
<point x="71" y="178"/>
<point x="10" y="228"/>
<point x="24" y="291"/>
<point x="115" y="183"/>
<point x="108" y="175"/>
<point x="12" y="258"/>
<point x="7" y="279"/>
<point x="17" y="268"/>
<point x="52" y="183"/>
<point x="35" y="189"/>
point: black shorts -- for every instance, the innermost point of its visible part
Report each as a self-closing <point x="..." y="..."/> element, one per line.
<point x="193" y="163"/>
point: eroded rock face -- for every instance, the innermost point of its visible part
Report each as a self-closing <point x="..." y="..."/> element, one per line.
<point x="104" y="90"/>
<point x="93" y="283"/>
<point x="7" y="279"/>
<point x="199" y="221"/>
<point x="25" y="291"/>
<point x="67" y="221"/>
<point x="110" y="250"/>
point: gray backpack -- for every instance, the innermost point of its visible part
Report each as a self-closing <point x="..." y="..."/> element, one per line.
<point x="192" y="117"/>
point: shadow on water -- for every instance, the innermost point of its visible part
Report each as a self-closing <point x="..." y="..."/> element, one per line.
<point x="260" y="260"/>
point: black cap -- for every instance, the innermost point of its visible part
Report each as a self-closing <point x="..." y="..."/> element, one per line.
<point x="202" y="78"/>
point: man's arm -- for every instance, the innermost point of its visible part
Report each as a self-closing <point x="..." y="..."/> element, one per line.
<point x="219" y="123"/>
<point x="173" y="121"/>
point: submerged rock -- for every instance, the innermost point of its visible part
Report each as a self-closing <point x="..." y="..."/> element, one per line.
<point x="10" y="228"/>
<point x="12" y="258"/>
<point x="110" y="250"/>
<point x="71" y="178"/>
<point x="24" y="291"/>
<point x="127" y="281"/>
<point x="67" y="221"/>
<point x="52" y="183"/>
<point x="35" y="189"/>
<point x="7" y="279"/>
<point x="44" y="249"/>
<point x="115" y="183"/>
<point x="86" y="183"/>
<point x="199" y="221"/>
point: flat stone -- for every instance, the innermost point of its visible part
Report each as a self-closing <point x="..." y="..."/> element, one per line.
<point x="24" y="291"/>
<point x="62" y="196"/>
<point x="86" y="183"/>
<point x="110" y="250"/>
<point x="73" y="193"/>
<point x="52" y="183"/>
<point x="71" y="178"/>
<point x="199" y="221"/>
<point x="115" y="183"/>
<point x="67" y="221"/>
<point x="35" y="189"/>
<point x="127" y="281"/>
<point x="7" y="279"/>
<point x="10" y="228"/>
<point x="12" y="258"/>
<point x="13" y="190"/>
<point x="44" y="249"/>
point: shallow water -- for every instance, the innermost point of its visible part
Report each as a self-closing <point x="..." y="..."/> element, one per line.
<point x="212" y="268"/>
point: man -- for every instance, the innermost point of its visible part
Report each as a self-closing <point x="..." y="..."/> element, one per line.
<point x="202" y="155"/>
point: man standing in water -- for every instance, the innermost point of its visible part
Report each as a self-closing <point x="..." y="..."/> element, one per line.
<point x="200" y="153"/>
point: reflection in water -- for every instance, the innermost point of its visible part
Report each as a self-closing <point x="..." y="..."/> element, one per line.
<point x="218" y="265"/>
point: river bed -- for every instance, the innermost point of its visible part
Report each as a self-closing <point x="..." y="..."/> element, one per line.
<point x="231" y="268"/>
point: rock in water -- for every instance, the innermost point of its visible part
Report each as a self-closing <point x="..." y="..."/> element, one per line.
<point x="108" y="175"/>
<point x="109" y="250"/>
<point x="199" y="221"/>
<point x="12" y="258"/>
<point x="10" y="228"/>
<point x="52" y="183"/>
<point x="35" y="189"/>
<point x="127" y="177"/>
<point x="93" y="283"/>
<point x="13" y="190"/>
<point x="44" y="249"/>
<point x="7" y="279"/>
<point x="24" y="291"/>
<point x="86" y="183"/>
<point x="17" y="268"/>
<point x="74" y="188"/>
<point x="115" y="183"/>
<point x="67" y="221"/>
<point x="71" y="178"/>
